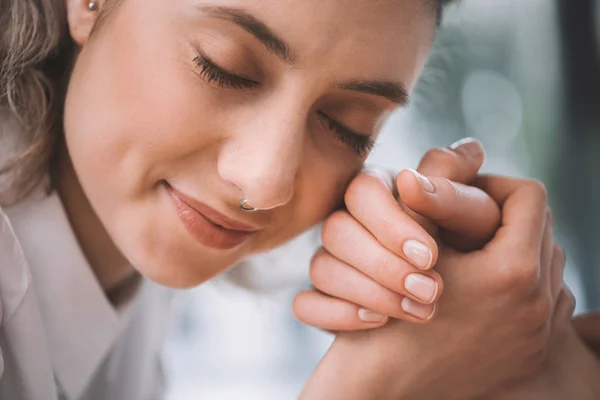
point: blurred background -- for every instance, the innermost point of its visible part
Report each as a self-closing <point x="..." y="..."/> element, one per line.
<point x="524" y="78"/>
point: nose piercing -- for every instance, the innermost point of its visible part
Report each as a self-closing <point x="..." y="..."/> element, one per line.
<point x="247" y="207"/>
<point x="92" y="6"/>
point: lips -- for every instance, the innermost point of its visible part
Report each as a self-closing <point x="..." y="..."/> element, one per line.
<point x="207" y="225"/>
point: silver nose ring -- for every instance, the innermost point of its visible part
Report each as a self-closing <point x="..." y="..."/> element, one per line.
<point x="247" y="207"/>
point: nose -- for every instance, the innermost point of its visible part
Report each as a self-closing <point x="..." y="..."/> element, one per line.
<point x="262" y="155"/>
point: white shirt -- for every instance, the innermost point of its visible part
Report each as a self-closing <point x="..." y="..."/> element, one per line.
<point x="60" y="338"/>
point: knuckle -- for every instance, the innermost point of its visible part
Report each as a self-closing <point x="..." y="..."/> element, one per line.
<point x="541" y="310"/>
<point x="570" y="301"/>
<point x="386" y="267"/>
<point x="520" y="278"/>
<point x="355" y="188"/>
<point x="559" y="253"/>
<point x="538" y="314"/>
<point x="538" y="189"/>
<point x="333" y="226"/>
<point x="455" y="192"/>
<point x="526" y="273"/>
<point x="394" y="229"/>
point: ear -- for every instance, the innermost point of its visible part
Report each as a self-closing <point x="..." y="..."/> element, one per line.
<point x="81" y="16"/>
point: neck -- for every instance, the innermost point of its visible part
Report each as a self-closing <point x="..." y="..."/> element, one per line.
<point x="108" y="264"/>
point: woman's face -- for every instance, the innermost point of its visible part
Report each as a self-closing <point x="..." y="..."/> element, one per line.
<point x="177" y="110"/>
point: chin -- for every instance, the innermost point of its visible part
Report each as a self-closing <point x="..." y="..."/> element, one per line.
<point x="156" y="243"/>
<point x="177" y="267"/>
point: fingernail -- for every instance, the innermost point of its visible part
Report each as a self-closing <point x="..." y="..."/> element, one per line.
<point x="421" y="311"/>
<point x="370" y="316"/>
<point x="424" y="182"/>
<point x="470" y="147"/>
<point x="418" y="254"/>
<point x="421" y="286"/>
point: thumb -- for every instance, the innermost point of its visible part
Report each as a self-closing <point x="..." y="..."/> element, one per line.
<point x="459" y="163"/>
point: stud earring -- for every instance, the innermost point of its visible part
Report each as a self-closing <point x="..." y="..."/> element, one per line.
<point x="92" y="6"/>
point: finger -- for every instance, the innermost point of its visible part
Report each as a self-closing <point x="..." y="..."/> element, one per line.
<point x="463" y="212"/>
<point x="549" y="265"/>
<point x="523" y="203"/>
<point x="557" y="271"/>
<point x="373" y="206"/>
<point x="552" y="262"/>
<point x="565" y="306"/>
<point x="355" y="246"/>
<point x="338" y="279"/>
<point x="546" y="258"/>
<point x="460" y="163"/>
<point x="325" y="312"/>
<point x="389" y="180"/>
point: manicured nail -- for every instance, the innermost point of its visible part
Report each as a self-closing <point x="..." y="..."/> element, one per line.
<point x="469" y="147"/>
<point x="370" y="316"/>
<point x="421" y="286"/>
<point x="421" y="311"/>
<point x="418" y="254"/>
<point x="424" y="182"/>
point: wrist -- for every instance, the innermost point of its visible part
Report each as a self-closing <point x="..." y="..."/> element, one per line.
<point x="355" y="368"/>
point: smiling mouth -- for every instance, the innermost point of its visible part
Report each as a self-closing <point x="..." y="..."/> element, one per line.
<point x="207" y="225"/>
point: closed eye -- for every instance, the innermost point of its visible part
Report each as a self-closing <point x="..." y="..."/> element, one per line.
<point x="361" y="144"/>
<point x="214" y="74"/>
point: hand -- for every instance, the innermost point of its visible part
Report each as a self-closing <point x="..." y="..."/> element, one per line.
<point x="368" y="270"/>
<point x="493" y="324"/>
<point x="570" y="370"/>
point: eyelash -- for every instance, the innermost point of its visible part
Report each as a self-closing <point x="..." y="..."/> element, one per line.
<point x="212" y="73"/>
<point x="360" y="144"/>
<point x="223" y="79"/>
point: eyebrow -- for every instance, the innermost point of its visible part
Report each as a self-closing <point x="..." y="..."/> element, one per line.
<point x="392" y="91"/>
<point x="256" y="28"/>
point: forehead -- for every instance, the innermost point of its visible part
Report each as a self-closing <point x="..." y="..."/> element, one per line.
<point x="373" y="37"/>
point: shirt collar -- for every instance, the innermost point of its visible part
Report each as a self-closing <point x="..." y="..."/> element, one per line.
<point x="80" y="322"/>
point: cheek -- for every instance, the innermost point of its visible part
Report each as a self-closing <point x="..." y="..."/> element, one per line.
<point x="135" y="108"/>
<point x="323" y="185"/>
<point x="131" y="117"/>
<point x="320" y="189"/>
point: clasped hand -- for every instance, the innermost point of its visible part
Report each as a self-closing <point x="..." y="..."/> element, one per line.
<point x="469" y="260"/>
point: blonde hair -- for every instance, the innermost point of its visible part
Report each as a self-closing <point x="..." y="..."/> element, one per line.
<point x="36" y="56"/>
<point x="33" y="36"/>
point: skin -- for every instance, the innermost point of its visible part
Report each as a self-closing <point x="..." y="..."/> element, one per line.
<point x="527" y="344"/>
<point x="516" y="282"/>
<point x="138" y="112"/>
<point x="363" y="262"/>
